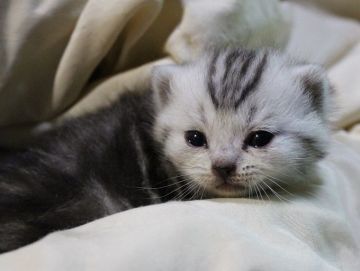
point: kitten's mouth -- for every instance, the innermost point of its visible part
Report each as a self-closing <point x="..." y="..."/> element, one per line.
<point x="226" y="188"/>
<point x="229" y="186"/>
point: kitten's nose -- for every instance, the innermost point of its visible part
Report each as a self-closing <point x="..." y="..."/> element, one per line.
<point x="223" y="171"/>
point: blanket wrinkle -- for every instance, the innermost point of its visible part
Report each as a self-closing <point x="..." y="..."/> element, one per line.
<point x="90" y="42"/>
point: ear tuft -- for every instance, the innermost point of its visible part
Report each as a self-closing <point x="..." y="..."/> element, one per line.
<point x="161" y="82"/>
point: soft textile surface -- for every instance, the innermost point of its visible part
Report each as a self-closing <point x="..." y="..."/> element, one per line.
<point x="65" y="58"/>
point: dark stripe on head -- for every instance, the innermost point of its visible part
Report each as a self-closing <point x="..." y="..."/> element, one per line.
<point x="253" y="82"/>
<point x="210" y="79"/>
<point x="236" y="65"/>
<point x="229" y="61"/>
<point x="242" y="74"/>
<point x="246" y="64"/>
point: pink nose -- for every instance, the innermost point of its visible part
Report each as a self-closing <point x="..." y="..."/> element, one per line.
<point x="223" y="171"/>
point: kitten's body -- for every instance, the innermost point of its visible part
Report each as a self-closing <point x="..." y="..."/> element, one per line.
<point x="134" y="153"/>
<point x="90" y="168"/>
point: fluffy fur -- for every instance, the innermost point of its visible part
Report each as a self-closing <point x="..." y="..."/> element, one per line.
<point x="135" y="153"/>
<point x="227" y="95"/>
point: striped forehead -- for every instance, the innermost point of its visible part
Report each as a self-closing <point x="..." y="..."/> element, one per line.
<point x="233" y="75"/>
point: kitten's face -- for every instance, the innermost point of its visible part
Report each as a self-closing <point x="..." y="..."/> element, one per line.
<point x="236" y="121"/>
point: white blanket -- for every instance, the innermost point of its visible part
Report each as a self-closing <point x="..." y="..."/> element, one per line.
<point x="313" y="229"/>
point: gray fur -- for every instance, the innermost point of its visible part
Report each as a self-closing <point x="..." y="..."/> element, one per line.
<point x="135" y="153"/>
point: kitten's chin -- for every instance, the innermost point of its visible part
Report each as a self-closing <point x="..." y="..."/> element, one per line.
<point x="227" y="190"/>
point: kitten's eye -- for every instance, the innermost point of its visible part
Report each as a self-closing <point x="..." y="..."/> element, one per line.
<point x="259" y="139"/>
<point x="195" y="138"/>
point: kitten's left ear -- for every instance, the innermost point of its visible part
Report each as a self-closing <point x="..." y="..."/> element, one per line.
<point x="161" y="82"/>
<point x="316" y="86"/>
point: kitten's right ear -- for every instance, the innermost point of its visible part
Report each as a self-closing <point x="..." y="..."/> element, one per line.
<point x="316" y="87"/>
<point x="161" y="82"/>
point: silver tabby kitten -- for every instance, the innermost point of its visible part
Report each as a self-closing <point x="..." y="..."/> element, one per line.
<point x="231" y="124"/>
<point x="237" y="121"/>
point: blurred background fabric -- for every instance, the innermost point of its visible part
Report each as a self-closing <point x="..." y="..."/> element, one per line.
<point x="63" y="58"/>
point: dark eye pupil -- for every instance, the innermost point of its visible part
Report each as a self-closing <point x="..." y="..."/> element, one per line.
<point x="195" y="138"/>
<point x="259" y="139"/>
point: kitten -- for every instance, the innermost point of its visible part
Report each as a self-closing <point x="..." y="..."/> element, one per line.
<point x="223" y="126"/>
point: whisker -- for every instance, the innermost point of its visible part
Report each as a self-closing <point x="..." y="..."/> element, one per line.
<point x="174" y="191"/>
<point x="275" y="181"/>
<point x="159" y="187"/>
<point x="264" y="190"/>
<point x="187" y="192"/>
<point x="259" y="192"/>
<point x="276" y="194"/>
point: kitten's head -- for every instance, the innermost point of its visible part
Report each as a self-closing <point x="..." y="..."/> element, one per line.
<point x="237" y="119"/>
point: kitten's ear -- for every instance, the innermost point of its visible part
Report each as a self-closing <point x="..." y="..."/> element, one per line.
<point x="161" y="82"/>
<point x="316" y="86"/>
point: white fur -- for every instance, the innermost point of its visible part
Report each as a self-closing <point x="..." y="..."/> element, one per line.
<point x="282" y="107"/>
